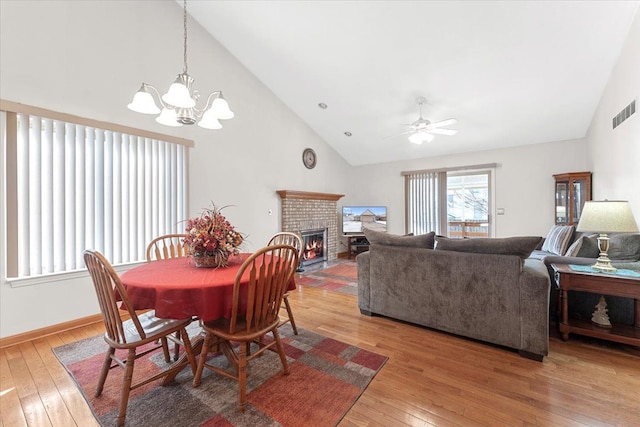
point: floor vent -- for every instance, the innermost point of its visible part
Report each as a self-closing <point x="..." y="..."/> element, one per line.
<point x="624" y="114"/>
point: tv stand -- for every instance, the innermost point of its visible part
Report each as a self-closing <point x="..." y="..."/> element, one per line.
<point x="357" y="243"/>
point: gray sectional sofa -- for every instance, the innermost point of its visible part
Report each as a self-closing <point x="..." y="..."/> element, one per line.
<point x="485" y="289"/>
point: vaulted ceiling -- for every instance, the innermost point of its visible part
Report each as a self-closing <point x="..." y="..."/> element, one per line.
<point x="511" y="73"/>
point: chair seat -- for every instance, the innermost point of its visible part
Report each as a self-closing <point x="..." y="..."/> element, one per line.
<point x="220" y="328"/>
<point x="153" y="327"/>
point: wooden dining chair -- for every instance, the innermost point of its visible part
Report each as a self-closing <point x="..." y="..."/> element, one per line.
<point x="293" y="239"/>
<point x="269" y="272"/>
<point x="167" y="246"/>
<point x="130" y="334"/>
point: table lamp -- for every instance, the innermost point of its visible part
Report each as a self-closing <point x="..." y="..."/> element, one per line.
<point x="606" y="217"/>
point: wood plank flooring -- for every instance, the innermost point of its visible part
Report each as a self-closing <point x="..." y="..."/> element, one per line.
<point x="431" y="378"/>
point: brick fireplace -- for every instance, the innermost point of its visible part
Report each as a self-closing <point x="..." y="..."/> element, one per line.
<point x="303" y="210"/>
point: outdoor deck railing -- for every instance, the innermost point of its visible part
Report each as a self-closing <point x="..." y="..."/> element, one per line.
<point x="468" y="229"/>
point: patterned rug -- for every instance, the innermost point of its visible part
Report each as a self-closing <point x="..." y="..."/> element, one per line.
<point x="339" y="276"/>
<point x="326" y="378"/>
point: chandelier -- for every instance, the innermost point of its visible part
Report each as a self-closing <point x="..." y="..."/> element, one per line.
<point x="179" y="103"/>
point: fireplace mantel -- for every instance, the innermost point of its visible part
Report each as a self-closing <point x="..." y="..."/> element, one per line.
<point x="308" y="195"/>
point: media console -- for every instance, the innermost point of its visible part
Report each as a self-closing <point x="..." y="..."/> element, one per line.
<point x="357" y="243"/>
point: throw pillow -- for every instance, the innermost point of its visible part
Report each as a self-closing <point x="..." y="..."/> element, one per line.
<point x="624" y="247"/>
<point x="558" y="239"/>
<point x="520" y="246"/>
<point x="584" y="247"/>
<point x="382" y="238"/>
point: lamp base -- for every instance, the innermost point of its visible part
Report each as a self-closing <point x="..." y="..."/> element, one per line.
<point x="603" y="262"/>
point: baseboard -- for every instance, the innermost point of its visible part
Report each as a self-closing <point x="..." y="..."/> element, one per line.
<point x="49" y="330"/>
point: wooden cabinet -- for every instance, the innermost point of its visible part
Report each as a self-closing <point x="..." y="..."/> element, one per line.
<point x="357" y="243"/>
<point x="572" y="190"/>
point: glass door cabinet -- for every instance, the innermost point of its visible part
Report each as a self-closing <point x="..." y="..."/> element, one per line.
<point x="572" y="190"/>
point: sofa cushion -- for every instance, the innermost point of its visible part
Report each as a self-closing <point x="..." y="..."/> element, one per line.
<point x="520" y="246"/>
<point x="585" y="247"/>
<point x="624" y="247"/>
<point x="557" y="241"/>
<point x="382" y="238"/>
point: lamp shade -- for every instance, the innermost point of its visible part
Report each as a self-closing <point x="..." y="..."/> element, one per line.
<point x="607" y="217"/>
<point x="178" y="94"/>
<point x="209" y="121"/>
<point x="220" y="108"/>
<point x="168" y="117"/>
<point x="143" y="102"/>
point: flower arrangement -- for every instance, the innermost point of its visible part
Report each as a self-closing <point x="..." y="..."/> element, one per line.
<point x="211" y="238"/>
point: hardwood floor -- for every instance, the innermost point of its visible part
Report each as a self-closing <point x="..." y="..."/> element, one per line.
<point x="430" y="379"/>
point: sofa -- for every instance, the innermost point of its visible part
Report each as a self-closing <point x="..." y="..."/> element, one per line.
<point x="565" y="245"/>
<point x="485" y="289"/>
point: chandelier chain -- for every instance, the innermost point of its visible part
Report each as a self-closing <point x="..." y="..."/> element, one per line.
<point x="186" y="68"/>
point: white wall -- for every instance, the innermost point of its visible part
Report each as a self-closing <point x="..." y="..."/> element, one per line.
<point x="614" y="154"/>
<point x="89" y="58"/>
<point x="524" y="183"/>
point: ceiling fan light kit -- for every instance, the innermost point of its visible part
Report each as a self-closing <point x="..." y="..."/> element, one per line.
<point x="419" y="137"/>
<point x="422" y="130"/>
<point x="179" y="103"/>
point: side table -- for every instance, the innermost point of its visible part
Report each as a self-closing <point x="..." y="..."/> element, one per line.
<point x="602" y="284"/>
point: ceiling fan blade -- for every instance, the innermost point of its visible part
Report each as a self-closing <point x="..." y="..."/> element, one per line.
<point x="446" y="122"/>
<point x="443" y="131"/>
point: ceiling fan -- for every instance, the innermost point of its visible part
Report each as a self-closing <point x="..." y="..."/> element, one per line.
<point x="422" y="130"/>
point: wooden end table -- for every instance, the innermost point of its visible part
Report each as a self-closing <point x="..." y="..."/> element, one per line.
<point x="602" y="284"/>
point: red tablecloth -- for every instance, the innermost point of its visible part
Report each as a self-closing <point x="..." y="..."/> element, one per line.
<point x="177" y="289"/>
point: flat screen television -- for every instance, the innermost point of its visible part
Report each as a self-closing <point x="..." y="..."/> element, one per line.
<point x="354" y="218"/>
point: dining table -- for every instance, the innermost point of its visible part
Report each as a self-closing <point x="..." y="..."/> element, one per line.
<point x="176" y="289"/>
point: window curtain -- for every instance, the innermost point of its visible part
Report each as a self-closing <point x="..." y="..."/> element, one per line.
<point x="80" y="187"/>
<point x="425" y="202"/>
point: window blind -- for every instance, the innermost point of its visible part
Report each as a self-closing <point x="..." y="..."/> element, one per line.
<point x="425" y="202"/>
<point x="80" y="187"/>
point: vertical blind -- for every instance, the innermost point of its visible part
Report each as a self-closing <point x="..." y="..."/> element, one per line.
<point x="425" y="202"/>
<point x="80" y="187"/>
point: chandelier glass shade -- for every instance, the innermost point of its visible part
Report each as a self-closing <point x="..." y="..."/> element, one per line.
<point x="178" y="104"/>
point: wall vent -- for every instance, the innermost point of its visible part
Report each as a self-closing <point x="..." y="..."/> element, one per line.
<point x="624" y="114"/>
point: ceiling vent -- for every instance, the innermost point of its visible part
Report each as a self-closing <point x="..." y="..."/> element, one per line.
<point x="624" y="114"/>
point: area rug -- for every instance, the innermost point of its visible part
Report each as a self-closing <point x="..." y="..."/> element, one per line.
<point x="326" y="378"/>
<point x="340" y="276"/>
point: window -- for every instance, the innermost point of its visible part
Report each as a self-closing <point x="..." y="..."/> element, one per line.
<point x="468" y="204"/>
<point x="74" y="184"/>
<point x="452" y="202"/>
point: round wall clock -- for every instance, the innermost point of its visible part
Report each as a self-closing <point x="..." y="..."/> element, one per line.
<point x="309" y="158"/>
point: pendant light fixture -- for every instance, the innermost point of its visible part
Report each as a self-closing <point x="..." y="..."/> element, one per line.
<point x="179" y="103"/>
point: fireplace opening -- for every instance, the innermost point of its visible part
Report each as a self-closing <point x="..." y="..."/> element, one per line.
<point x="314" y="248"/>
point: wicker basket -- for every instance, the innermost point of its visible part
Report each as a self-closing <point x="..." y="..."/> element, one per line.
<point x="214" y="260"/>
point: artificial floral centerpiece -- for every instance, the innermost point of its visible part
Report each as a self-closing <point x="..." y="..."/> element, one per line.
<point x="211" y="239"/>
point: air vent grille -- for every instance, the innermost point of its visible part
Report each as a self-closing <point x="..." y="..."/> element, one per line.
<point x="624" y="114"/>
